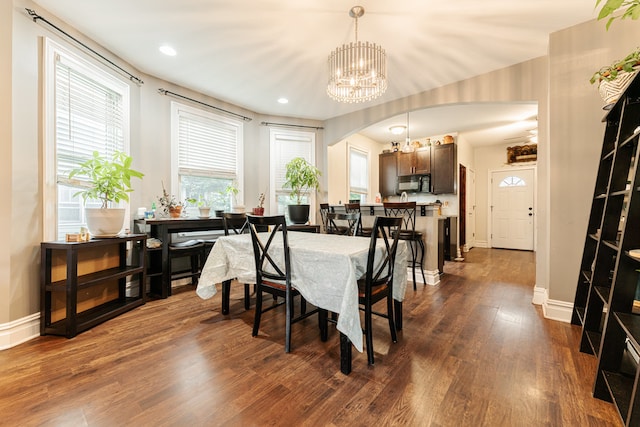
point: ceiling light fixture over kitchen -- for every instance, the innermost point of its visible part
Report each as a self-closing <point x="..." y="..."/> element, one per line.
<point x="357" y="71"/>
<point x="397" y="129"/>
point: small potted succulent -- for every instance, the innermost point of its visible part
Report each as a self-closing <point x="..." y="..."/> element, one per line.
<point x="259" y="210"/>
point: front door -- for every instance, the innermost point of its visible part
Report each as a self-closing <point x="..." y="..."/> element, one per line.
<point x="512" y="209"/>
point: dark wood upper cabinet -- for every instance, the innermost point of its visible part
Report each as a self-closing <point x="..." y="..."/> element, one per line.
<point x="388" y="174"/>
<point x="415" y="163"/>
<point x="443" y="177"/>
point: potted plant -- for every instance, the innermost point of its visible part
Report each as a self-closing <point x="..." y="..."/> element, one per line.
<point x="613" y="78"/>
<point x="169" y="204"/>
<point x="204" y="206"/>
<point x="232" y="191"/>
<point x="301" y="177"/>
<point x="109" y="180"/>
<point x="259" y="210"/>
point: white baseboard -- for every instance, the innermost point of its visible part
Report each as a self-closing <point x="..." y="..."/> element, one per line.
<point x="539" y="295"/>
<point x="19" y="331"/>
<point x="481" y="244"/>
<point x="433" y="277"/>
<point x="552" y="309"/>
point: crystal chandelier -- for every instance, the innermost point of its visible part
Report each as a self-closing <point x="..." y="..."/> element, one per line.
<point x="357" y="71"/>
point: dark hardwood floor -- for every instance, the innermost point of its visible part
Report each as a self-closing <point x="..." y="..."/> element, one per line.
<point x="474" y="351"/>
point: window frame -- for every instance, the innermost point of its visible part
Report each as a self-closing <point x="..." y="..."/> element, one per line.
<point x="103" y="75"/>
<point x="282" y="136"/>
<point x="176" y="185"/>
<point x="365" y="191"/>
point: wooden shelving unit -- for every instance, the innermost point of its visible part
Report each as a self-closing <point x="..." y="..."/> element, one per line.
<point x="608" y="277"/>
<point x="85" y="283"/>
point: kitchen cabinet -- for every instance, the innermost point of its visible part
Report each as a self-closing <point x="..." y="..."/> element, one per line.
<point x="417" y="162"/>
<point x="388" y="174"/>
<point x="443" y="172"/>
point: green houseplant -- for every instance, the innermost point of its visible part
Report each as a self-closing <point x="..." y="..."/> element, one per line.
<point x="108" y="180"/>
<point x="301" y="177"/>
<point x="613" y="78"/>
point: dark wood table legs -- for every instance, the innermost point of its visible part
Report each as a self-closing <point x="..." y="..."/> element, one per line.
<point x="345" y="354"/>
<point x="397" y="311"/>
<point x="226" y="290"/>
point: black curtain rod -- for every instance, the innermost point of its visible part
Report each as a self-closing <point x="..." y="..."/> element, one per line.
<point x="291" y="126"/>
<point x="177" y="95"/>
<point x="35" y="17"/>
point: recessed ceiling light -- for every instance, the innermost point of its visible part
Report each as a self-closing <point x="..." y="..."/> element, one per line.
<point x="283" y="100"/>
<point x="168" y="50"/>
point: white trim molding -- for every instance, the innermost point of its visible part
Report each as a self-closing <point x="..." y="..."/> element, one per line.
<point x="552" y="309"/>
<point x="432" y="276"/>
<point x="19" y="331"/>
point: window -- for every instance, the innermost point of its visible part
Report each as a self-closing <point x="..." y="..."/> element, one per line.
<point x="207" y="156"/>
<point x="285" y="145"/>
<point x="512" y="181"/>
<point x="86" y="110"/>
<point x="358" y="175"/>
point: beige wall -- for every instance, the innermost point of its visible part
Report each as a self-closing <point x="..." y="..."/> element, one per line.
<point x="576" y="139"/>
<point x="338" y="179"/>
<point x="6" y="18"/>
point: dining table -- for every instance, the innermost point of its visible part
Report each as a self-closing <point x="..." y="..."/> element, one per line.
<point x="325" y="269"/>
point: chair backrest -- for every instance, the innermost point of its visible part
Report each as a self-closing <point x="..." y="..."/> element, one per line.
<point x="406" y="210"/>
<point x="270" y="264"/>
<point x="346" y="224"/>
<point x="351" y="207"/>
<point x="383" y="229"/>
<point x="235" y="222"/>
<point x="324" y="210"/>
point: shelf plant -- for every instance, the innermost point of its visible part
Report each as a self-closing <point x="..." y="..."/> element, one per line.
<point x="107" y="180"/>
<point x="613" y="78"/>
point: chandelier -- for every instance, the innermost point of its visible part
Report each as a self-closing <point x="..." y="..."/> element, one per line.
<point x="357" y="71"/>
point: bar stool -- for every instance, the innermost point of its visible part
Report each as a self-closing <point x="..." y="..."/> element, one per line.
<point x="407" y="210"/>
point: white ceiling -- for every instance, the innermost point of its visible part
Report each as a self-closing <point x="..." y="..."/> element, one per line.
<point x="251" y="53"/>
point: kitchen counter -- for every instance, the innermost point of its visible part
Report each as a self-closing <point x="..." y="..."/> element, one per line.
<point x="427" y="215"/>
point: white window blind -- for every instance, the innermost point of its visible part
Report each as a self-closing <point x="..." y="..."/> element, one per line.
<point x="207" y="146"/>
<point x="89" y="117"/>
<point x="358" y="171"/>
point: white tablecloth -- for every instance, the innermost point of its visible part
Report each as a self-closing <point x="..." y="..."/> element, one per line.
<point x="324" y="268"/>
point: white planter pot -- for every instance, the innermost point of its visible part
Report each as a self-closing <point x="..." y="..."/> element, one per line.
<point x="204" y="212"/>
<point x="610" y="91"/>
<point x="104" y="222"/>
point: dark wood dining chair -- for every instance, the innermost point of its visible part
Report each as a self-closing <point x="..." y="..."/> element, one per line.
<point x="355" y="207"/>
<point x="407" y="210"/>
<point x="324" y="210"/>
<point x="377" y="283"/>
<point x="346" y="224"/>
<point x="236" y="223"/>
<point x="273" y="274"/>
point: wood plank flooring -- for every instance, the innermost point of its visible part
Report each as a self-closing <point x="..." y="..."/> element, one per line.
<point x="474" y="351"/>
